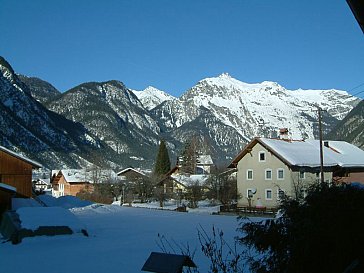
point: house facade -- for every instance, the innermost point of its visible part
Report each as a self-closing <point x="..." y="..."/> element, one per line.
<point x="268" y="169"/>
<point x="15" y="177"/>
<point x="16" y="171"/>
<point x="69" y="182"/>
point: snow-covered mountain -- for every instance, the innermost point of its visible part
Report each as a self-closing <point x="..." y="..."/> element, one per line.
<point x="108" y="124"/>
<point x="28" y="127"/>
<point x="115" y="115"/>
<point x="252" y="110"/>
<point x="41" y="90"/>
<point x="351" y="128"/>
<point x="151" y="97"/>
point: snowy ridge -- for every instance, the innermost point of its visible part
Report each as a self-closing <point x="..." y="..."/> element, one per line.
<point x="109" y="123"/>
<point x="29" y="128"/>
<point x="229" y="112"/>
<point x="257" y="109"/>
<point x="152" y="97"/>
<point x="112" y="112"/>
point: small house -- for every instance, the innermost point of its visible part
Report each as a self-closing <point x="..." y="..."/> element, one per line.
<point x="70" y="182"/>
<point x="131" y="175"/>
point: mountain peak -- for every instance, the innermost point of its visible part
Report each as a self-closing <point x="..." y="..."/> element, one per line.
<point x="225" y="75"/>
<point x="152" y="89"/>
<point x="151" y="97"/>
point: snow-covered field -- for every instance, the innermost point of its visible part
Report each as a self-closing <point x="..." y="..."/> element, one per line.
<point x="121" y="239"/>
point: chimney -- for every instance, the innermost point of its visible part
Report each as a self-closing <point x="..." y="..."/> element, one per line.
<point x="283" y="133"/>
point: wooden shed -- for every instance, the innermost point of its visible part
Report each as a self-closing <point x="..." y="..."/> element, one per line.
<point x="16" y="171"/>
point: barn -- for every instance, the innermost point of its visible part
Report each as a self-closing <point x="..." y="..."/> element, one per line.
<point x="15" y="177"/>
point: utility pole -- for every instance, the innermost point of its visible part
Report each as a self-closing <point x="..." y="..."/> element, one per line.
<point x="321" y="149"/>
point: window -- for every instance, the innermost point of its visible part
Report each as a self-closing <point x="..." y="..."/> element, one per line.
<point x="262" y="156"/>
<point x="250" y="193"/>
<point x="280" y="174"/>
<point x="302" y="175"/>
<point x="268" y="174"/>
<point x="249" y="174"/>
<point x="268" y="194"/>
<point x="280" y="194"/>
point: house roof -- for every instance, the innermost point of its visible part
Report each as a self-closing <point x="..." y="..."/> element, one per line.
<point x="7" y="187"/>
<point x="306" y="153"/>
<point x="167" y="263"/>
<point x="75" y="175"/>
<point x="128" y="170"/>
<point x="42" y="181"/>
<point x="21" y="157"/>
<point x="357" y="7"/>
<point x="191" y="180"/>
<point x="204" y="160"/>
<point x="84" y="175"/>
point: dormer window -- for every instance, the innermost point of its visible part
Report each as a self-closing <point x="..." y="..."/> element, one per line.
<point x="262" y="156"/>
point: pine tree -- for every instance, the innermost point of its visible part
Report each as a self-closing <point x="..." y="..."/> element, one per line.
<point x="162" y="164"/>
<point x="189" y="154"/>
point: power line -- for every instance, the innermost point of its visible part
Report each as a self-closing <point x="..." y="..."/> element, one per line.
<point x="356" y="87"/>
<point x="358" y="93"/>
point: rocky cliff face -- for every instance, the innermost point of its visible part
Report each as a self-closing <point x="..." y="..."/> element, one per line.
<point x="31" y="129"/>
<point x="114" y="114"/>
<point x="351" y="128"/>
<point x="41" y="90"/>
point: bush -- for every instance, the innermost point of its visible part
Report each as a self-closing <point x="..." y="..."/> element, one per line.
<point x="324" y="233"/>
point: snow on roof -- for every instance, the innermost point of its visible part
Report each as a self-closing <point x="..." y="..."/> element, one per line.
<point x="85" y="175"/>
<point x="307" y="153"/>
<point x="75" y="175"/>
<point x="21" y="157"/>
<point x="42" y="181"/>
<point x="130" y="169"/>
<point x="204" y="160"/>
<point x="191" y="180"/>
<point x="8" y="187"/>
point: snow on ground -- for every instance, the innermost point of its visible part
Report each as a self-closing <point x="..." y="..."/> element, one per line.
<point x="121" y="239"/>
<point x="34" y="217"/>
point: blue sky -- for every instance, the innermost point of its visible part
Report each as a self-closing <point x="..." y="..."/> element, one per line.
<point x="172" y="44"/>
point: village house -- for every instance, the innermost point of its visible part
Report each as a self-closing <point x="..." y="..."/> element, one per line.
<point x="268" y="169"/>
<point x="15" y="176"/>
<point x="131" y="174"/>
<point x="203" y="164"/>
<point x="70" y="182"/>
<point x="42" y="185"/>
<point x="176" y="182"/>
<point x="137" y="185"/>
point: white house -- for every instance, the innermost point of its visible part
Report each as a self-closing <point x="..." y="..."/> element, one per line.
<point x="269" y="168"/>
